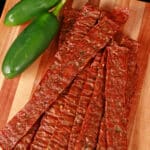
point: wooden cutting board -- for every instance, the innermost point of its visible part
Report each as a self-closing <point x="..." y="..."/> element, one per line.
<point x="16" y="92"/>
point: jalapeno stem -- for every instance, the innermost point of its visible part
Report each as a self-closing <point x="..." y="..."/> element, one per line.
<point x="58" y="7"/>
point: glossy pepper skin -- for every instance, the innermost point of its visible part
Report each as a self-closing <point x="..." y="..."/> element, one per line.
<point x="30" y="44"/>
<point x="26" y="10"/>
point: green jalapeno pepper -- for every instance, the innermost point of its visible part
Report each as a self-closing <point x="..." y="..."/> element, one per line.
<point x="26" y="10"/>
<point x="31" y="43"/>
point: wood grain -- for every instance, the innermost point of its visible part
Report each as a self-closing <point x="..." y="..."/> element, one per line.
<point x="140" y="138"/>
<point x="16" y="92"/>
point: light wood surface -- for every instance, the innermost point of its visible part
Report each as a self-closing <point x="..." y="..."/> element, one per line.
<point x="16" y="92"/>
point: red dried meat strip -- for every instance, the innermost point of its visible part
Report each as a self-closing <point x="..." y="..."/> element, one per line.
<point x="67" y="6"/>
<point x="87" y="138"/>
<point x="61" y="135"/>
<point x="69" y="16"/>
<point x="47" y="125"/>
<point x="58" y="77"/>
<point x="67" y="25"/>
<point x="82" y="106"/>
<point x="115" y="107"/>
<point x="84" y="22"/>
<point x="120" y="15"/>
<point x="132" y="74"/>
<point x="24" y="143"/>
<point x="101" y="144"/>
<point x="50" y="119"/>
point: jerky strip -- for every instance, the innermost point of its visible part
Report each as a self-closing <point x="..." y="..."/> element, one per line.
<point x="46" y="128"/>
<point x="83" y="104"/>
<point x="132" y="74"/>
<point x="115" y="110"/>
<point x="87" y="138"/>
<point x="69" y="16"/>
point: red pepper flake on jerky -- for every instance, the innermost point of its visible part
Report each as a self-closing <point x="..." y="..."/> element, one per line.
<point x="57" y="79"/>
<point x="87" y="138"/>
<point x="115" y="107"/>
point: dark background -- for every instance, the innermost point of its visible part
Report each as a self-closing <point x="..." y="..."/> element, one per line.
<point x="2" y="3"/>
<point x="145" y="0"/>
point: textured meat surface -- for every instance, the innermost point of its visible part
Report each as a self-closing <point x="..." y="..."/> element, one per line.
<point x="132" y="74"/>
<point x="61" y="135"/>
<point x="47" y="126"/>
<point x="53" y="83"/>
<point x="85" y="20"/>
<point x="101" y="144"/>
<point x="52" y="116"/>
<point x="69" y="16"/>
<point x="65" y="121"/>
<point x="66" y="66"/>
<point x="84" y="100"/>
<point x="87" y="138"/>
<point x="67" y="25"/>
<point x="120" y="15"/>
<point x="115" y="110"/>
<point x="25" y="142"/>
